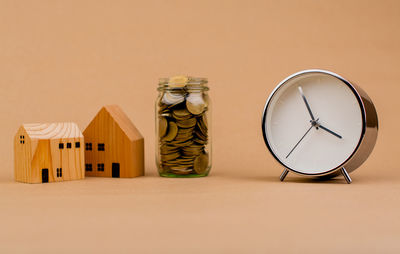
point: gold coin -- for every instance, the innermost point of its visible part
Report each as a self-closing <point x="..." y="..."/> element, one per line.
<point x="183" y="138"/>
<point x="195" y="103"/>
<point x="203" y="122"/>
<point x="172" y="131"/>
<point x="171" y="156"/>
<point x="178" y="81"/>
<point x="187" y="158"/>
<point x="195" y="109"/>
<point x="181" y="171"/>
<point x="181" y="114"/>
<point x="187" y="123"/>
<point x="202" y="127"/>
<point x="191" y="151"/>
<point x="186" y="130"/>
<point x="199" y="141"/>
<point x="165" y="149"/>
<point x="169" y="164"/>
<point x="201" y="163"/>
<point x="184" y="162"/>
<point x="179" y="167"/>
<point x="162" y="126"/>
<point x="201" y="136"/>
<point x="182" y="144"/>
<point x="172" y="98"/>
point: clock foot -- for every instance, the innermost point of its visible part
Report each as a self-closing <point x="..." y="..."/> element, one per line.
<point x="284" y="174"/>
<point x="346" y="175"/>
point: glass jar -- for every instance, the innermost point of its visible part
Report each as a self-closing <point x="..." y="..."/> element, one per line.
<point x="183" y="146"/>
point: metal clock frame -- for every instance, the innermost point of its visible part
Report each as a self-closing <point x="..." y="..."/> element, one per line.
<point x="365" y="144"/>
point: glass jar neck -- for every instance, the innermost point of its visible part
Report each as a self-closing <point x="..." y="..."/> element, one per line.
<point x="183" y="83"/>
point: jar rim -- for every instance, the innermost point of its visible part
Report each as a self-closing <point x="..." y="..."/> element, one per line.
<point x="192" y="83"/>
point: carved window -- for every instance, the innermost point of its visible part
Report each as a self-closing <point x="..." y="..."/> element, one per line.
<point x="22" y="139"/>
<point x="88" y="146"/>
<point x="88" y="167"/>
<point x="100" y="167"/>
<point x="100" y="146"/>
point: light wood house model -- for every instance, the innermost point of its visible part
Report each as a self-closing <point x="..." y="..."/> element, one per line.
<point x="114" y="147"/>
<point x="49" y="152"/>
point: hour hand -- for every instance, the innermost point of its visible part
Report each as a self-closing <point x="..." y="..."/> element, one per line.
<point x="328" y="130"/>
<point x="306" y="102"/>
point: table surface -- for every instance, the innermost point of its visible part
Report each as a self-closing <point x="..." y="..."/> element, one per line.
<point x="63" y="60"/>
<point x="220" y="213"/>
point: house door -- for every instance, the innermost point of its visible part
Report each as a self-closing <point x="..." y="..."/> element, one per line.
<point x="115" y="170"/>
<point x="45" y="175"/>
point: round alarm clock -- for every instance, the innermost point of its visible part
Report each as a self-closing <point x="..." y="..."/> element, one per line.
<point x="316" y="123"/>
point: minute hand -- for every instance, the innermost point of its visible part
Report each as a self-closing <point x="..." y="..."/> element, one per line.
<point x="306" y="102"/>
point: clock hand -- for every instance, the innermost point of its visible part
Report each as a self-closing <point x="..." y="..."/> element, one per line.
<point x="306" y="102"/>
<point x="328" y="130"/>
<point x="299" y="141"/>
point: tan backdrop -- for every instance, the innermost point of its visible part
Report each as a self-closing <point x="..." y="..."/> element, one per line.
<point x="63" y="60"/>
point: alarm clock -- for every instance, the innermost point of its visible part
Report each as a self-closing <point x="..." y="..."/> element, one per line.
<point x="316" y="123"/>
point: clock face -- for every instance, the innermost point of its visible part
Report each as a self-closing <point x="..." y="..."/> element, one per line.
<point x="313" y="122"/>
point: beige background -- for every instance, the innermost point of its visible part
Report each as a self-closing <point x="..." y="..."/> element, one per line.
<point x="63" y="60"/>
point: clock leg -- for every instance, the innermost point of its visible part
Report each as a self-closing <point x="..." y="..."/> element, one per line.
<point x="346" y="175"/>
<point x="284" y="174"/>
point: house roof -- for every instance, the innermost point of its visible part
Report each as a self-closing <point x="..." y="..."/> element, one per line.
<point x="52" y="130"/>
<point x="123" y="122"/>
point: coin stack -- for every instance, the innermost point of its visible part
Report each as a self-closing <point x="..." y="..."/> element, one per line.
<point x="183" y="132"/>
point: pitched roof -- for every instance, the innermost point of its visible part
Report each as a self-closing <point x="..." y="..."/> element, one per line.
<point x="52" y="130"/>
<point x="123" y="121"/>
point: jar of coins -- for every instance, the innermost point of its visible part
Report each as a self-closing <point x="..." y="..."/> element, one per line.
<point x="183" y="127"/>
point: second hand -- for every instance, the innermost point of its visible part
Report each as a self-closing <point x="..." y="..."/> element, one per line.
<point x="299" y="141"/>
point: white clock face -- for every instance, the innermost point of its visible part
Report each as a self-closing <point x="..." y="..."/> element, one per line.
<point x="313" y="146"/>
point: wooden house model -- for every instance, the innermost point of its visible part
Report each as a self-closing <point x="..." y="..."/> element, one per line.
<point x="114" y="147"/>
<point x="48" y="153"/>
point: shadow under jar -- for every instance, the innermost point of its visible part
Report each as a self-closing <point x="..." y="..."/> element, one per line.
<point x="183" y="147"/>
